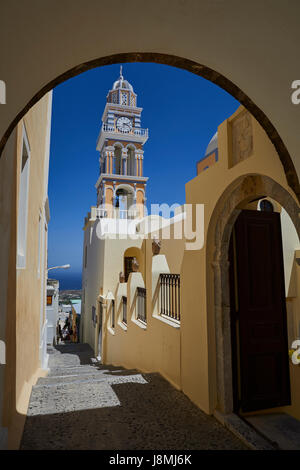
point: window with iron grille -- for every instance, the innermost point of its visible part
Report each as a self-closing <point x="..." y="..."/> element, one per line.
<point x="170" y="296"/>
<point x="94" y="316"/>
<point x="141" y="304"/>
<point x="124" y="309"/>
<point x="112" y="313"/>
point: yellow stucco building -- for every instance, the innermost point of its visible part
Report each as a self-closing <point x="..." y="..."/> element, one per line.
<point x="23" y="322"/>
<point x="241" y="359"/>
<point x="248" y="170"/>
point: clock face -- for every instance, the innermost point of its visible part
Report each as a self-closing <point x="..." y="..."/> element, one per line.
<point x="124" y="124"/>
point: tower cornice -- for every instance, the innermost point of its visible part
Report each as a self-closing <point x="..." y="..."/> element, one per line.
<point x="125" y="178"/>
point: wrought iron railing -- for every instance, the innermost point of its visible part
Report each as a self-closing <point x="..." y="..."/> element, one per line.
<point x="133" y="131"/>
<point x="124" y="309"/>
<point x="141" y="304"/>
<point x="115" y="213"/>
<point x="170" y="295"/>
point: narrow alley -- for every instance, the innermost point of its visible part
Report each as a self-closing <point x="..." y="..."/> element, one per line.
<point x="83" y="405"/>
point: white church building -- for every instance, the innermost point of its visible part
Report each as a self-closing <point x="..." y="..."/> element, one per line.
<point x="114" y="249"/>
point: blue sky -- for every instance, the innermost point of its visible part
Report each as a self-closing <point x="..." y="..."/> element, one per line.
<point x="181" y="111"/>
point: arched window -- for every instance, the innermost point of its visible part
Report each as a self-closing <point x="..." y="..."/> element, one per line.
<point x="124" y="201"/>
<point x="266" y="206"/>
<point x="127" y="266"/>
<point x="118" y="160"/>
<point x="129" y="255"/>
<point x="131" y="170"/>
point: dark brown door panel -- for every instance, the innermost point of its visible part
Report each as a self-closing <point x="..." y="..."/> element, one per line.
<point x="261" y="312"/>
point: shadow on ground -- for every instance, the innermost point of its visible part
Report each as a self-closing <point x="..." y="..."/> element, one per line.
<point x="110" y="408"/>
<point x="80" y="353"/>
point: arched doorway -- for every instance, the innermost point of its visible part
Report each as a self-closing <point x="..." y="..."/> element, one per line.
<point x="127" y="47"/>
<point x="241" y="192"/>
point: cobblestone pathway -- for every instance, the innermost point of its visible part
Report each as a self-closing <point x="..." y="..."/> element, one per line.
<point x="84" y="406"/>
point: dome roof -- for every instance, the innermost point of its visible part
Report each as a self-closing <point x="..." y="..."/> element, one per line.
<point x="121" y="83"/>
<point x="213" y="144"/>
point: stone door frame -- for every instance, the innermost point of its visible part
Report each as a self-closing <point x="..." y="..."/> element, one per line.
<point x="240" y="192"/>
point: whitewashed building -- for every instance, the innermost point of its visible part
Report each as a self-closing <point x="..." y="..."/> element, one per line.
<point x="115" y="229"/>
<point x="52" y="309"/>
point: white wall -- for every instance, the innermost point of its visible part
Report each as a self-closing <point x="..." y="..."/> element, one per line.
<point x="52" y="314"/>
<point x="104" y="263"/>
<point x="290" y="243"/>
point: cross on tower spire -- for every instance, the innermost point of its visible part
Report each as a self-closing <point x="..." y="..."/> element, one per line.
<point x="121" y="70"/>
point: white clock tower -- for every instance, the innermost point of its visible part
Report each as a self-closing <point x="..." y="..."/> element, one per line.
<point x="121" y="184"/>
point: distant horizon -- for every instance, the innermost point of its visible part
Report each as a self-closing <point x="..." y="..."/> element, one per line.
<point x="67" y="280"/>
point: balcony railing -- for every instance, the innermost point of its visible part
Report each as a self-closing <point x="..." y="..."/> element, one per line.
<point x="170" y="295"/>
<point x="137" y="131"/>
<point x="141" y="304"/>
<point x="124" y="309"/>
<point x="115" y="213"/>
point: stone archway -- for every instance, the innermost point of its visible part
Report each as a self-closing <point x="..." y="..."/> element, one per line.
<point x="185" y="64"/>
<point x="239" y="193"/>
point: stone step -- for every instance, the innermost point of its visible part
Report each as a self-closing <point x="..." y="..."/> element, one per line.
<point x="279" y="428"/>
<point x="80" y="395"/>
<point x="68" y="366"/>
<point x="94" y="374"/>
<point x="71" y="360"/>
<point x="66" y="379"/>
<point x="78" y="370"/>
<point x="50" y="382"/>
<point x="71" y="348"/>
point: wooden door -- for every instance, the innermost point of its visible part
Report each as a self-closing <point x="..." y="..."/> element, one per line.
<point x="259" y="324"/>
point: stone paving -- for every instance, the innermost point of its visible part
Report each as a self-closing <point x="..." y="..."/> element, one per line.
<point x="81" y="405"/>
